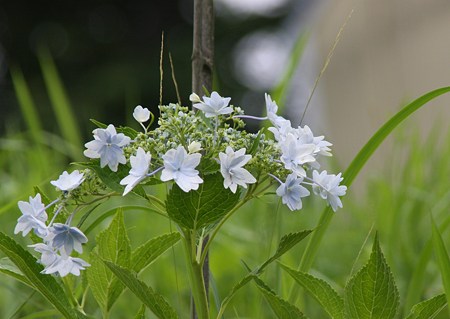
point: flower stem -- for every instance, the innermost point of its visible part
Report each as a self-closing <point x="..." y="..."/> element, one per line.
<point x="195" y="273"/>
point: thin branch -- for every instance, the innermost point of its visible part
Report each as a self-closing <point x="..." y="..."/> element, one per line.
<point x="174" y="79"/>
<point x="161" y="71"/>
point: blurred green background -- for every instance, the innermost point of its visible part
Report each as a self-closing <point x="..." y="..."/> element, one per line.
<point x="62" y="63"/>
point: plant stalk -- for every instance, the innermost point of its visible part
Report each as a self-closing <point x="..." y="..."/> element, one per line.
<point x="196" y="280"/>
<point x="202" y="76"/>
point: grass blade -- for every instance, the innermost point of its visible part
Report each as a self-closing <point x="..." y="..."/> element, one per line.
<point x="443" y="259"/>
<point x="279" y="93"/>
<point x="26" y="103"/>
<point x="60" y="101"/>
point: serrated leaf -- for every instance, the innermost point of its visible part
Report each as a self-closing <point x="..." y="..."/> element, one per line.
<point x="31" y="269"/>
<point x="286" y="243"/>
<point x="141" y="313"/>
<point x="233" y="291"/>
<point x="281" y="308"/>
<point x="8" y="268"/>
<point x="371" y="293"/>
<point x="112" y="245"/>
<point x="428" y="309"/>
<point x="147" y="253"/>
<point x="154" y="301"/>
<point x="203" y="207"/>
<point x="443" y="259"/>
<point x="320" y="290"/>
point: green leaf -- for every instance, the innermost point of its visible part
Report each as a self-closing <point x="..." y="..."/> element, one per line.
<point x="141" y="313"/>
<point x="31" y="270"/>
<point x="99" y="124"/>
<point x="352" y="171"/>
<point x="147" y="253"/>
<point x="233" y="291"/>
<point x="112" y="245"/>
<point x="128" y="131"/>
<point x="110" y="178"/>
<point x="154" y="301"/>
<point x="371" y="293"/>
<point x="286" y="243"/>
<point x="281" y="308"/>
<point x="8" y="268"/>
<point x="428" y="309"/>
<point x="320" y="290"/>
<point x="442" y="258"/>
<point x="203" y="207"/>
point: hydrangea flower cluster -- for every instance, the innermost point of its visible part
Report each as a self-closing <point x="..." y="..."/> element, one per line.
<point x="185" y="139"/>
<point x="59" y="240"/>
<point x="186" y="147"/>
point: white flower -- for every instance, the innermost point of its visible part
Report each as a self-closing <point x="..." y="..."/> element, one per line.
<point x="281" y="131"/>
<point x="231" y="167"/>
<point x="306" y="136"/>
<point x="180" y="166"/>
<point x="67" y="182"/>
<point x="327" y="186"/>
<point x="139" y="169"/>
<point x="107" y="145"/>
<point x="33" y="217"/>
<point x="214" y="105"/>
<point x="295" y="154"/>
<point x="66" y="238"/>
<point x="194" y="147"/>
<point x="141" y="114"/>
<point x="291" y="192"/>
<point x="48" y="254"/>
<point x="272" y="109"/>
<point x="55" y="263"/>
<point x="65" y="265"/>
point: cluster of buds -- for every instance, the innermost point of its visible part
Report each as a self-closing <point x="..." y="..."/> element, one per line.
<point x="185" y="148"/>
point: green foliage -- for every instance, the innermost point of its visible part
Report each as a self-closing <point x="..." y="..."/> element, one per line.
<point x="8" y="268"/>
<point x="141" y="313"/>
<point x="372" y="293"/>
<point x="147" y="253"/>
<point x="203" y="207"/>
<point x="428" y="309"/>
<point x="112" y="179"/>
<point x="31" y="270"/>
<point x="27" y="105"/>
<point x="327" y="297"/>
<point x="154" y="301"/>
<point x="443" y="260"/>
<point x="287" y="242"/>
<point x="354" y="168"/>
<point x="281" y="308"/>
<point x="60" y="102"/>
<point x="112" y="245"/>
